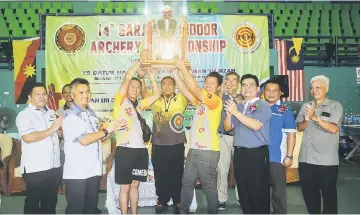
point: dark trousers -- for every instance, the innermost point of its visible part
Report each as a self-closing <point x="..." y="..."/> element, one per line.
<point x="41" y="191"/>
<point x="278" y="181"/>
<point x="251" y="167"/>
<point x="168" y="164"/>
<point x="82" y="195"/>
<point x="316" y="178"/>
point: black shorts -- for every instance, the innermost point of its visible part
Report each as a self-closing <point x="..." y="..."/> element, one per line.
<point x="131" y="164"/>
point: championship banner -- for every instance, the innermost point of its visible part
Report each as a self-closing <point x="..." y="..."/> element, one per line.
<point x="102" y="48"/>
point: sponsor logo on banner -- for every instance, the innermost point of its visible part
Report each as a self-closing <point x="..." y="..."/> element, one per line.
<point x="358" y="74"/>
<point x="70" y="38"/>
<point x="246" y="37"/>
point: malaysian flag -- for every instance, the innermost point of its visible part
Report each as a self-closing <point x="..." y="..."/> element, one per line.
<point x="290" y="62"/>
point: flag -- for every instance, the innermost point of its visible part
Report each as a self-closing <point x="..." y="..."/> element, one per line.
<point x="294" y="55"/>
<point x="295" y="71"/>
<point x="24" y="67"/>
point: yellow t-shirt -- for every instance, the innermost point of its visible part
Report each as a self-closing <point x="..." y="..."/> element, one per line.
<point x="131" y="137"/>
<point x="204" y="130"/>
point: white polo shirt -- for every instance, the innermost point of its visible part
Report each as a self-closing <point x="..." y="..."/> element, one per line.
<point x="81" y="162"/>
<point x="44" y="154"/>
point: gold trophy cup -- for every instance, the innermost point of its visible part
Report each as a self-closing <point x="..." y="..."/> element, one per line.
<point x="167" y="41"/>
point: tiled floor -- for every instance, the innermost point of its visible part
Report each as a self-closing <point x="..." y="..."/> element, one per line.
<point x="348" y="197"/>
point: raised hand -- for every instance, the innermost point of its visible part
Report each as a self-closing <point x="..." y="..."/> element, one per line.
<point x="142" y="72"/>
<point x="145" y="54"/>
<point x="180" y="65"/>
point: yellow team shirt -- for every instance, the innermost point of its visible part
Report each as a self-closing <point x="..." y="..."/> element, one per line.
<point x="132" y="136"/>
<point x="204" y="130"/>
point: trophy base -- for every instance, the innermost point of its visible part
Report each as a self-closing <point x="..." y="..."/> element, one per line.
<point x="163" y="63"/>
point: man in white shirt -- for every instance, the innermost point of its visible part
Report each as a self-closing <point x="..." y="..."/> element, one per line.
<point x="83" y="152"/>
<point x="40" y="160"/>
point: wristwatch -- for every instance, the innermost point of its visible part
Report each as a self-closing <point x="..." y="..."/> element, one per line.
<point x="290" y="157"/>
<point x="105" y="131"/>
<point x="317" y="120"/>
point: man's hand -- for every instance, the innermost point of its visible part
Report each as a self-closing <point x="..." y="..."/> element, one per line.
<point x="142" y="72"/>
<point x="228" y="114"/>
<point x="231" y="107"/>
<point x="180" y="65"/>
<point x="56" y="124"/>
<point x="287" y="162"/>
<point x="310" y="112"/>
<point x="152" y="72"/>
<point x="115" y="125"/>
<point x="121" y="125"/>
<point x="145" y="55"/>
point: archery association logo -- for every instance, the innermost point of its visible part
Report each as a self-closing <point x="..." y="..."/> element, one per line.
<point x="246" y="37"/>
<point x="70" y="38"/>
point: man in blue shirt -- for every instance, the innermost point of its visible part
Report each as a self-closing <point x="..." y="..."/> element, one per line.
<point x="251" y="156"/>
<point x="228" y="91"/>
<point x="282" y="132"/>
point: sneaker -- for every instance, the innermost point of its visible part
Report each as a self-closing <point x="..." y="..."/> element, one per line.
<point x="176" y="209"/>
<point x="222" y="206"/>
<point x="160" y="209"/>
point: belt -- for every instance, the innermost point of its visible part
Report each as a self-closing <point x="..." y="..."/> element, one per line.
<point x="241" y="148"/>
<point x="226" y="133"/>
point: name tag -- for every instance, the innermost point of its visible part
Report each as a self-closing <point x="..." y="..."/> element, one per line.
<point x="325" y="114"/>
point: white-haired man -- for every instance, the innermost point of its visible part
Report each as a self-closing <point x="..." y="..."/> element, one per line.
<point x="320" y="120"/>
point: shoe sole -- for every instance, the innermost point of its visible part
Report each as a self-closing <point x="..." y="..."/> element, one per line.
<point x="221" y="209"/>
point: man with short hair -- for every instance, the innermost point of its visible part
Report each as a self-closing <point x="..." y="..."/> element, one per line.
<point x="131" y="155"/>
<point x="168" y="140"/>
<point x="282" y="133"/>
<point x="228" y="91"/>
<point x="83" y="151"/>
<point x="203" y="155"/>
<point x="40" y="160"/>
<point x="251" y="156"/>
<point x="65" y="92"/>
<point x="320" y="121"/>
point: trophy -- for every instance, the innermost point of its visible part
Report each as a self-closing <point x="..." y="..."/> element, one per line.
<point x="167" y="40"/>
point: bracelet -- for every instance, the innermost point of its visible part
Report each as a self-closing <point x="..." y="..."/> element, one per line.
<point x="290" y="157"/>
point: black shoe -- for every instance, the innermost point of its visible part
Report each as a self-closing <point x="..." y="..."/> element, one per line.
<point x="176" y="209"/>
<point x="222" y="206"/>
<point x="160" y="209"/>
<point x="98" y="211"/>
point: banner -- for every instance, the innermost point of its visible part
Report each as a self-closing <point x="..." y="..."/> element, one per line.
<point x="24" y="67"/>
<point x="102" y="48"/>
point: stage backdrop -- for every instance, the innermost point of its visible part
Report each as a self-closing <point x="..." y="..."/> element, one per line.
<point x="102" y="48"/>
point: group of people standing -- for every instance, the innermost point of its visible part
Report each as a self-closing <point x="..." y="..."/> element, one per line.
<point x="259" y="135"/>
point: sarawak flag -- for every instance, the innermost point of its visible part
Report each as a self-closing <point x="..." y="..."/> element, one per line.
<point x="24" y="67"/>
<point x="290" y="62"/>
